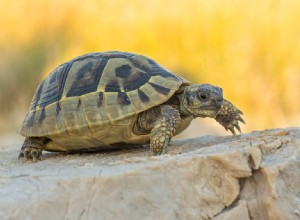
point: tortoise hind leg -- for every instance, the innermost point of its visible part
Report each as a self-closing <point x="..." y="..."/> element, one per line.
<point x="32" y="148"/>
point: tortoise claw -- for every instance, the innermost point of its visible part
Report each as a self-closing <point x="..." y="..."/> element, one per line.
<point x="232" y="130"/>
<point x="21" y="155"/>
<point x="241" y="119"/>
<point x="34" y="156"/>
<point x="25" y="154"/>
<point x="238" y="128"/>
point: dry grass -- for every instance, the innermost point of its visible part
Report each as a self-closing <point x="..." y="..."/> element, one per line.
<point x="249" y="48"/>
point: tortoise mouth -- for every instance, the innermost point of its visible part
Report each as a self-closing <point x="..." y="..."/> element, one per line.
<point x="215" y="108"/>
<point x="211" y="108"/>
<point x="208" y="111"/>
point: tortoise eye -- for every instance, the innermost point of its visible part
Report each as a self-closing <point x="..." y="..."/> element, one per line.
<point x="203" y="97"/>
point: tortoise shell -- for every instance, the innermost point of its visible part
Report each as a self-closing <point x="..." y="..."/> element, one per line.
<point x="96" y="98"/>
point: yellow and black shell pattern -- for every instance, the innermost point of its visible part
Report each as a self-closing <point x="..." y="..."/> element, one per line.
<point x="96" y="98"/>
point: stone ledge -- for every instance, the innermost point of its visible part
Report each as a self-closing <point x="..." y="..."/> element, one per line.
<point x="251" y="176"/>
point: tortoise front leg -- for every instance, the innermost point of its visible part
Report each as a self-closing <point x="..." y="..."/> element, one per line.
<point x="164" y="129"/>
<point x="229" y="117"/>
<point x="32" y="149"/>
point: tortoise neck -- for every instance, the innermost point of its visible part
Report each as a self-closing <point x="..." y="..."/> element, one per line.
<point x="183" y="107"/>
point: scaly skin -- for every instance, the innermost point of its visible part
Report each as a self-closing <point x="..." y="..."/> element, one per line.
<point x="229" y="117"/>
<point x="32" y="149"/>
<point x="164" y="129"/>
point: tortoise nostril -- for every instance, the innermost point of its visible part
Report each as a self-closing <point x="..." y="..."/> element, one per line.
<point x="219" y="102"/>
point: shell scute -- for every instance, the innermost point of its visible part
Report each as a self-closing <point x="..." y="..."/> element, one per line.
<point x="95" y="92"/>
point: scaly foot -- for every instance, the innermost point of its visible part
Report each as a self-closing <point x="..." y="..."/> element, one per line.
<point x="32" y="149"/>
<point x="32" y="153"/>
<point x="229" y="117"/>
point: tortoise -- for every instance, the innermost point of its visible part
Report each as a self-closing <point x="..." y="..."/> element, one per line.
<point x="108" y="99"/>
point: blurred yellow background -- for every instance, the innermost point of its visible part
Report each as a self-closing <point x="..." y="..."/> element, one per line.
<point x="250" y="48"/>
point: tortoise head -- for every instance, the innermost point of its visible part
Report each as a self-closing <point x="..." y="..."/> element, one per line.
<point x="201" y="100"/>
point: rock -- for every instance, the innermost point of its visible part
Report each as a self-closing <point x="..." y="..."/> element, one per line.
<point x="273" y="192"/>
<point x="237" y="212"/>
<point x="250" y="176"/>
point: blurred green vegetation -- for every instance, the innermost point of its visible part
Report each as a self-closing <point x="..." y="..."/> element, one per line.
<point x="249" y="48"/>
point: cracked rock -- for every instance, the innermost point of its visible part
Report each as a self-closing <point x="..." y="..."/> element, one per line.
<point x="250" y="176"/>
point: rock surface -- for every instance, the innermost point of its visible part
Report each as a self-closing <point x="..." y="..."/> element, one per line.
<point x="250" y="176"/>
